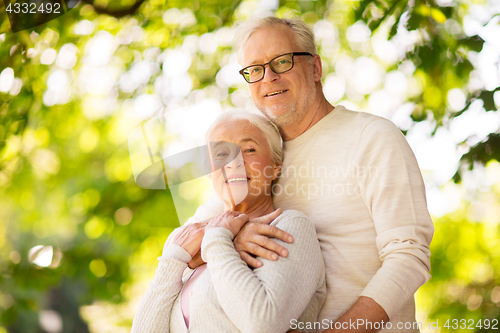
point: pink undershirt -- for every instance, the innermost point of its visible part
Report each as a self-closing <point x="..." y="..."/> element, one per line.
<point x="186" y="292"/>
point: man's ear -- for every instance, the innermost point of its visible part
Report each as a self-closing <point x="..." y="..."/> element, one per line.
<point x="276" y="171"/>
<point x="317" y="68"/>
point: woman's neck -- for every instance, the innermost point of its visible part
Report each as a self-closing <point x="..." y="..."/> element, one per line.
<point x="256" y="210"/>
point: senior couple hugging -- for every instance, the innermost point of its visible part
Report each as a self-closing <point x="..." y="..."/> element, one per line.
<point x="277" y="250"/>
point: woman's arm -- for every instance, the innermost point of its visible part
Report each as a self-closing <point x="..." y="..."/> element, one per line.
<point x="155" y="309"/>
<point x="268" y="298"/>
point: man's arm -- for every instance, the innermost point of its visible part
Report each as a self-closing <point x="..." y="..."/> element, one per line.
<point x="394" y="194"/>
<point x="364" y="310"/>
<point x="254" y="239"/>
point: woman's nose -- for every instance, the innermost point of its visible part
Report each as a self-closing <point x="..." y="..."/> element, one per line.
<point x="235" y="164"/>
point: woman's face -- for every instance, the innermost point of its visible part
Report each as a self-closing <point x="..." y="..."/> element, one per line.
<point x="249" y="174"/>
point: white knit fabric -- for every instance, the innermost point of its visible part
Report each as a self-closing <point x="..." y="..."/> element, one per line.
<point x="231" y="297"/>
<point x="355" y="176"/>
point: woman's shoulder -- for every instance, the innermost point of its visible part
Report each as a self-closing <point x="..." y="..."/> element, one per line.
<point x="293" y="219"/>
<point x="291" y="214"/>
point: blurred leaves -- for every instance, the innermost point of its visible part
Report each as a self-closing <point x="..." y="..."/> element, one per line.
<point x="465" y="271"/>
<point x="65" y="172"/>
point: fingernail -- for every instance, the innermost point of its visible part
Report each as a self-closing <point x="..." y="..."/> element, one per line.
<point x="290" y="239"/>
<point x="274" y="256"/>
<point x="284" y="253"/>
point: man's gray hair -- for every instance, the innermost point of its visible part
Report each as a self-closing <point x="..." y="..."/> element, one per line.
<point x="304" y="39"/>
<point x="258" y="121"/>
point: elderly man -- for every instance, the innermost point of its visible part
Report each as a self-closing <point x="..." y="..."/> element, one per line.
<point x="352" y="173"/>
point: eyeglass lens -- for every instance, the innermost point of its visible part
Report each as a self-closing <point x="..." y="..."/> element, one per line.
<point x="278" y="65"/>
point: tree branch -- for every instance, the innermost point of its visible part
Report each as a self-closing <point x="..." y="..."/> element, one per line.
<point x="119" y="13"/>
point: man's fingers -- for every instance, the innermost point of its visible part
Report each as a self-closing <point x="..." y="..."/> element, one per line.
<point x="251" y="261"/>
<point x="266" y="219"/>
<point x="270" y="245"/>
<point x="259" y="251"/>
<point x="274" y="232"/>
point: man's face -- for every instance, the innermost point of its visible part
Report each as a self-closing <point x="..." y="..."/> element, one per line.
<point x="284" y="98"/>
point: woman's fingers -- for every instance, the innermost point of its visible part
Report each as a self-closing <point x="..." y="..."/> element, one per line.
<point x="239" y="221"/>
<point x="196" y="261"/>
<point x="231" y="220"/>
<point x="189" y="237"/>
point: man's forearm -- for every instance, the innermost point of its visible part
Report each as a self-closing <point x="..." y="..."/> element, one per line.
<point x="365" y="309"/>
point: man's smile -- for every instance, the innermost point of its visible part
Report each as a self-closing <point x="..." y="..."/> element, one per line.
<point x="274" y="93"/>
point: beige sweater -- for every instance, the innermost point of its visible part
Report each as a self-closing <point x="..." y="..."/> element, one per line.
<point x="355" y="176"/>
<point x="231" y="297"/>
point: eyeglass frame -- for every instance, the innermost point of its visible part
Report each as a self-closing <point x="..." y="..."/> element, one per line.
<point x="269" y="63"/>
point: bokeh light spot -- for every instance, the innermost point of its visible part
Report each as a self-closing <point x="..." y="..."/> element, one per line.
<point x="123" y="216"/>
<point x="98" y="267"/>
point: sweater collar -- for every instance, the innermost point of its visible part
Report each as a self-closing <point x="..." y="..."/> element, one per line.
<point x="310" y="132"/>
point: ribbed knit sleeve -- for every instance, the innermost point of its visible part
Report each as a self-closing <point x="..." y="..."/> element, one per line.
<point x="155" y="309"/>
<point x="266" y="299"/>
<point x="393" y="191"/>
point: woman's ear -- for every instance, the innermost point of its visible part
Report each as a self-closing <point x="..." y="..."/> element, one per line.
<point x="276" y="171"/>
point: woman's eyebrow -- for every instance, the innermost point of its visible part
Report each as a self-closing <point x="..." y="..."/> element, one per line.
<point x="245" y="140"/>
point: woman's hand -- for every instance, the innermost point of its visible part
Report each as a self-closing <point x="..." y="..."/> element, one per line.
<point x="190" y="237"/>
<point x="196" y="261"/>
<point x="232" y="221"/>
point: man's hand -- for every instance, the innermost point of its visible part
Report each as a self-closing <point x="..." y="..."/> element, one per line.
<point x="364" y="308"/>
<point x="255" y="239"/>
<point x="233" y="221"/>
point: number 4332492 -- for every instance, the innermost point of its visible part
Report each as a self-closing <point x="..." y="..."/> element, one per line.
<point x="470" y="324"/>
<point x="33" y="8"/>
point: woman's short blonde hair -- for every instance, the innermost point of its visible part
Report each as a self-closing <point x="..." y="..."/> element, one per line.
<point x="260" y="122"/>
<point x="304" y="34"/>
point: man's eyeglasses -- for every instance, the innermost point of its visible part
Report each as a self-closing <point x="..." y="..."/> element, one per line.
<point x="279" y="65"/>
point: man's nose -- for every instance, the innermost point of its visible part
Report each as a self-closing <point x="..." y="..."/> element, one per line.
<point x="269" y="74"/>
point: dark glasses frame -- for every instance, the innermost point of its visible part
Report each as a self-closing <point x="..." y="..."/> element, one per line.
<point x="292" y="54"/>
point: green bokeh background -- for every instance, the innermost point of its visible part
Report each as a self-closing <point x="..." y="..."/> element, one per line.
<point x="66" y="179"/>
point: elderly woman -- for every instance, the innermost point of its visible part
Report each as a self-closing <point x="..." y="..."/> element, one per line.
<point x="225" y="295"/>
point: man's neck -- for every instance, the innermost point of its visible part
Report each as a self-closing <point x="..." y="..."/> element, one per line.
<point x="315" y="113"/>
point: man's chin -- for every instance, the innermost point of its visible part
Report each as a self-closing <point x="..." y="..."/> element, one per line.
<point x="280" y="115"/>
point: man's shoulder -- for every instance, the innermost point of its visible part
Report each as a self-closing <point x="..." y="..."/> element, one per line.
<point x="358" y="122"/>
<point x="360" y="118"/>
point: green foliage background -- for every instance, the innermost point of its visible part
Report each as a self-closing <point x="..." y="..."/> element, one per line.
<point x="66" y="180"/>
